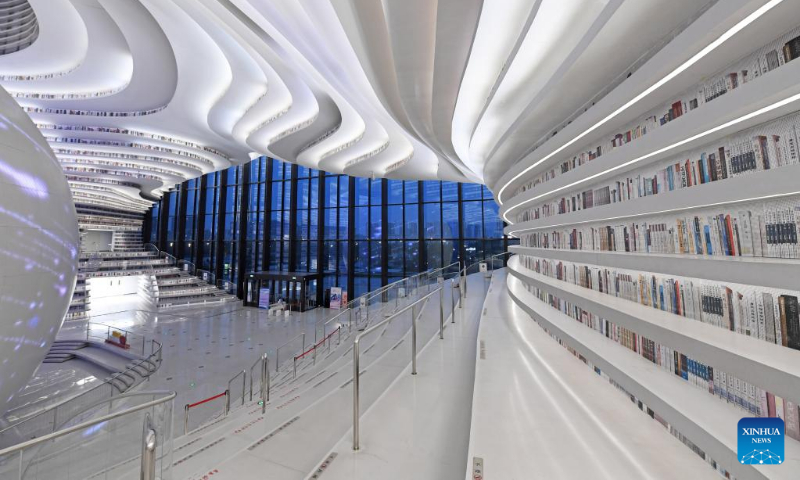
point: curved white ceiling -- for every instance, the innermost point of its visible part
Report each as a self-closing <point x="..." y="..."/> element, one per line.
<point x="136" y="96"/>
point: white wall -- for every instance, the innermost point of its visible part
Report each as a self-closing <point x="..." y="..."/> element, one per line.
<point x="114" y="287"/>
<point x="97" y="241"/>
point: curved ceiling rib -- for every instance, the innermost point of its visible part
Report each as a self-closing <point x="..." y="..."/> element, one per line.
<point x="135" y="96"/>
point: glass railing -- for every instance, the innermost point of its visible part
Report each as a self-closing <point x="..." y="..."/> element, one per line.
<point x="24" y="427"/>
<point x="104" y="441"/>
<point x="357" y="315"/>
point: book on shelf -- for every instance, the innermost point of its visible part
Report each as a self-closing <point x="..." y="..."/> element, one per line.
<point x="768" y="58"/>
<point x="715" y="381"/>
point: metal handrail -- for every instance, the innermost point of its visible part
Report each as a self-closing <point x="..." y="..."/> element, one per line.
<point x="243" y="373"/>
<point x="170" y="257"/>
<point x="327" y="322"/>
<point x="278" y="350"/>
<point x="263" y="359"/>
<point x="357" y="354"/>
<point x="442" y="269"/>
<point x="191" y="270"/>
<point x="314" y="348"/>
<point x="212" y="279"/>
<point x="89" y="423"/>
<point x="154" y="358"/>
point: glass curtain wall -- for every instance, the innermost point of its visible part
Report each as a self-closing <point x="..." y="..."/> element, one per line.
<point x="334" y="262"/>
<point x="230" y="225"/>
<point x="153" y="223"/>
<point x="173" y="202"/>
<point x="191" y="219"/>
<point x="256" y="214"/>
<point x="208" y="260"/>
<point x="359" y="233"/>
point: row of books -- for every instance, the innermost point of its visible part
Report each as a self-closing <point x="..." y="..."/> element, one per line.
<point x="725" y="386"/>
<point x="644" y="408"/>
<point x="766" y="314"/>
<point x="125" y="131"/>
<point x="769" y="230"/>
<point x="770" y="57"/>
<point x="767" y="146"/>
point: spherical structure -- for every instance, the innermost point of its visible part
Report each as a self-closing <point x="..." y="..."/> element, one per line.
<point x="38" y="248"/>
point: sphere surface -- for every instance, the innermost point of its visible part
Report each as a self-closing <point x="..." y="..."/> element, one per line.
<point x="39" y="243"/>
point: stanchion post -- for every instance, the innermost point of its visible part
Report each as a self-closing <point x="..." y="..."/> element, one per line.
<point x="149" y="443"/>
<point x="244" y="384"/>
<point x="414" y="340"/>
<point x="452" y="300"/>
<point x="186" y="419"/>
<point x="440" y="281"/>
<point x="356" y="355"/>
<point x="264" y="383"/>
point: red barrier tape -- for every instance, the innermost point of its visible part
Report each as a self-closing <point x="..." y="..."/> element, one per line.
<point x="206" y="400"/>
<point x="313" y="347"/>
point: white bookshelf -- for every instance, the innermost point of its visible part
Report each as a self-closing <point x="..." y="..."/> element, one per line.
<point x="781" y="273"/>
<point x="769" y="183"/>
<point x="707" y="421"/>
<point x="764" y="91"/>
<point x="774" y="368"/>
<point x="713" y="23"/>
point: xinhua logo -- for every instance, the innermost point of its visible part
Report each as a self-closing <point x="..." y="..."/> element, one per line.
<point x="761" y="441"/>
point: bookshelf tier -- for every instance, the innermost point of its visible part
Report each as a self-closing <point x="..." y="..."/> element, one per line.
<point x="781" y="273"/>
<point x="772" y="367"/>
<point x="779" y="85"/>
<point x="707" y="421"/>
<point x="711" y="25"/>
<point x="766" y="184"/>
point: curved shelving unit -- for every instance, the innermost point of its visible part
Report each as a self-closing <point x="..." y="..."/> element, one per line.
<point x="772" y="367"/>
<point x="687" y="56"/>
<point x="765" y="94"/>
<point x="708" y="422"/>
<point x="603" y="328"/>
<point x="770" y="184"/>
<point x="781" y="273"/>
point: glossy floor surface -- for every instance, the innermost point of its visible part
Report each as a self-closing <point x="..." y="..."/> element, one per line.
<point x="496" y="390"/>
<point x="539" y="412"/>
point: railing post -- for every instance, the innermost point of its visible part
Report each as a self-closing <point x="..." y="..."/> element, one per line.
<point x="440" y="280"/>
<point x="414" y="340"/>
<point x="244" y="384"/>
<point x="186" y="419"/>
<point x="295" y="368"/>
<point x="356" y="359"/>
<point x="350" y="320"/>
<point x="339" y="336"/>
<point x="55" y="419"/>
<point x="149" y="443"/>
<point x="251" y="381"/>
<point x="264" y="382"/>
<point x="227" y="402"/>
<point x="452" y="300"/>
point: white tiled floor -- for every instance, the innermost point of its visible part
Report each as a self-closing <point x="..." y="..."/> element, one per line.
<point x="541" y="413"/>
<point x="420" y="427"/>
<point x="204" y="347"/>
<point x="529" y="408"/>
